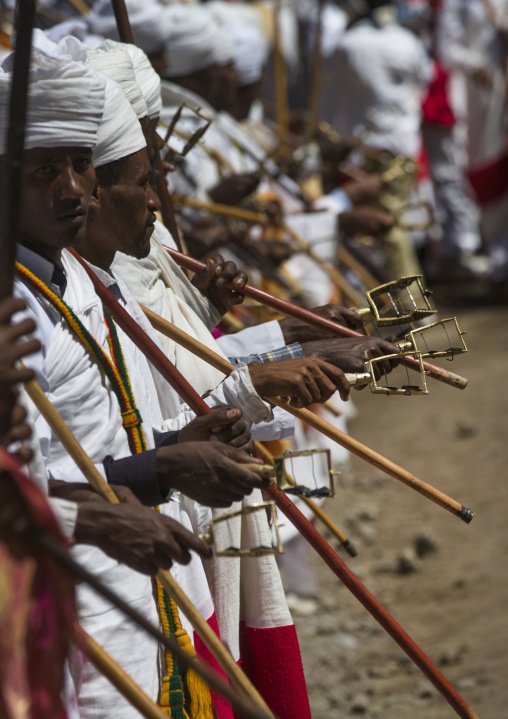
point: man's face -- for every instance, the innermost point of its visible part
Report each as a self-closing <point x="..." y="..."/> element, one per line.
<point x="56" y="191"/>
<point x="128" y="207"/>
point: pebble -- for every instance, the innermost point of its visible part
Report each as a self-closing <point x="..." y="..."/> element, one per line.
<point x="425" y="543"/>
<point x="360" y="704"/>
<point x="348" y="641"/>
<point x="408" y="562"/>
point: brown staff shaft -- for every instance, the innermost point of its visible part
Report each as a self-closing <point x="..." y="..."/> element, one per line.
<point x="215" y="360"/>
<point x="305" y="527"/>
<point x="317" y="72"/>
<point x="99" y="484"/>
<point x="257" y="218"/>
<point x="108" y="666"/>
<point x="351" y="444"/>
<point x="11" y="167"/>
<point x="168" y="214"/>
<point x="118" y="677"/>
<point x="281" y="90"/>
<point x="292" y="310"/>
<point x="122" y="21"/>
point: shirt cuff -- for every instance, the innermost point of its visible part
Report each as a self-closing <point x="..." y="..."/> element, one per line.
<point x="292" y="351"/>
<point x="138" y="473"/>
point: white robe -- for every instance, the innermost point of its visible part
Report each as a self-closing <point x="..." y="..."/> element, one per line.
<point x="155" y="283"/>
<point x="77" y="388"/>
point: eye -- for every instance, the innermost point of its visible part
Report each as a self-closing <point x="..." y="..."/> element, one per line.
<point x="45" y="170"/>
<point x="81" y="164"/>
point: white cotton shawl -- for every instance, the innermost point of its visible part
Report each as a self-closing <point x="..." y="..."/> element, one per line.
<point x="146" y="19"/>
<point x="65" y="99"/>
<point x="195" y="40"/>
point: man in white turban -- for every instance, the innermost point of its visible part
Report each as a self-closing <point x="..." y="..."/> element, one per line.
<point x="58" y="182"/>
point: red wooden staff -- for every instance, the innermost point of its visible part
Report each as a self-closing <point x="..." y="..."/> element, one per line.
<point x="289" y="308"/>
<point x="325" y="551"/>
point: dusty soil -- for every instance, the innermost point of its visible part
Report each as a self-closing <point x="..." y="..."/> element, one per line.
<point x="452" y="600"/>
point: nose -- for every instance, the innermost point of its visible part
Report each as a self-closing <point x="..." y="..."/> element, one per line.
<point x="153" y="202"/>
<point x="71" y="187"/>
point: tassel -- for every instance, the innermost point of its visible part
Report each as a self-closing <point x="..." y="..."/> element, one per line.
<point x="184" y="695"/>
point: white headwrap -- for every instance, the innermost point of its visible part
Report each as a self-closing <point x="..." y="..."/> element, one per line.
<point x="245" y="25"/>
<point x="111" y="59"/>
<point x="120" y="133"/>
<point x="65" y="100"/>
<point x="195" y="40"/>
<point x="76" y="28"/>
<point x="146" y="19"/>
<point x="147" y="79"/>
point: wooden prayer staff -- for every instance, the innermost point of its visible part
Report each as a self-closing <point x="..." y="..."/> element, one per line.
<point x="258" y="218"/>
<point x="10" y="171"/>
<point x="361" y="450"/>
<point x="281" y="90"/>
<point x="189" y="395"/>
<point x="130" y="690"/>
<point x="289" y="308"/>
<point x="99" y="484"/>
<point x="214" y="359"/>
<point x="168" y="214"/>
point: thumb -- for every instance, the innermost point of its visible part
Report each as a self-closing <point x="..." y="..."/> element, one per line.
<point x="223" y="417"/>
<point x="206" y="275"/>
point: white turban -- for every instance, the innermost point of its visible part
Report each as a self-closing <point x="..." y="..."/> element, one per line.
<point x="195" y="40"/>
<point x="146" y="19"/>
<point x="245" y="26"/>
<point x="120" y="133"/>
<point x="76" y="28"/>
<point x="111" y="59"/>
<point x="65" y="99"/>
<point x="148" y="80"/>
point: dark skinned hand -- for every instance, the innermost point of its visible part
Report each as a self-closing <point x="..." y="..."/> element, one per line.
<point x="225" y="424"/>
<point x="137" y="536"/>
<point x="299" y="331"/>
<point x="351" y="353"/>
<point x="305" y="380"/>
<point x="212" y="281"/>
<point x="208" y="472"/>
<point x="365" y="190"/>
<point x="366" y="221"/>
<point x="234" y="188"/>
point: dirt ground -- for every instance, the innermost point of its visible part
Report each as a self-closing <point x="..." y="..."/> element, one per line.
<point x="452" y="600"/>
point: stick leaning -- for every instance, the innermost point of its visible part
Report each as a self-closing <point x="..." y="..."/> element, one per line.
<point x="85" y="464"/>
<point x="353" y="445"/>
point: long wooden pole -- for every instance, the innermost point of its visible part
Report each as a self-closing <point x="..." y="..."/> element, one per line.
<point x="118" y="677"/>
<point x="221" y="364"/>
<point x="99" y="484"/>
<point x="292" y="310"/>
<point x="11" y="167"/>
<point x="257" y="218"/>
<point x="333" y="433"/>
<point x="168" y="213"/>
<point x="43" y="540"/>
<point x="326" y="552"/>
<point x="281" y="90"/>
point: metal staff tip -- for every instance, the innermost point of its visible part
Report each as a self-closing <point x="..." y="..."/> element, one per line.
<point x="350" y="548"/>
<point x="466" y="515"/>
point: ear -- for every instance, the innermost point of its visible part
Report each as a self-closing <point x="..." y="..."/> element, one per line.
<point x="95" y="199"/>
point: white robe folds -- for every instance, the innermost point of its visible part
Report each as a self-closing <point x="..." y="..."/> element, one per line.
<point x="159" y="284"/>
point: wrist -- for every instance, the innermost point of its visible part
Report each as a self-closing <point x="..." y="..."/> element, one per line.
<point x="89" y="521"/>
<point x="288" y="330"/>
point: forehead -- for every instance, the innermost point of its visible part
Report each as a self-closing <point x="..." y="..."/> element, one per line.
<point x="138" y="166"/>
<point x="44" y="154"/>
